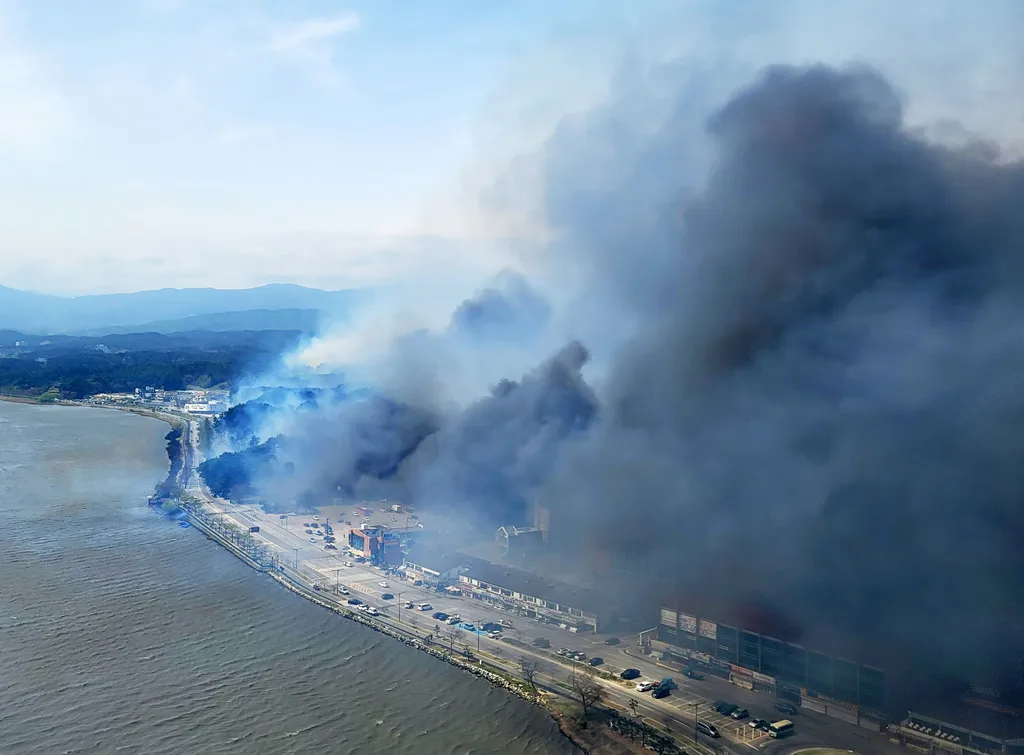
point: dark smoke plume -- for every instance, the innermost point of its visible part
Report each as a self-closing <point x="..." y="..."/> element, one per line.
<point x="824" y="412"/>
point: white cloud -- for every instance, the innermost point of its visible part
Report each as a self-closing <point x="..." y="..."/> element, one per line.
<point x="310" y="43"/>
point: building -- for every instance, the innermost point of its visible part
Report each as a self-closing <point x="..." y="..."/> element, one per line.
<point x="376" y="544"/>
<point x="519" y="542"/>
<point x="748" y="654"/>
<point x="956" y="734"/>
<point x="436" y="567"/>
<point x="534" y="596"/>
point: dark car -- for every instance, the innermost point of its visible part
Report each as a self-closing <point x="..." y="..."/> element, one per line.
<point x="660" y="692"/>
<point x="721" y="706"/>
<point x="387" y="596"/>
<point x="354" y="601"/>
<point x="440" y="615"/>
<point x="491" y="626"/>
<point x="740" y="713"/>
<point x="541" y="642"/>
<point x="331" y="547"/>
<point x="596" y="661"/>
<point x="309" y="532"/>
<point x="789" y="710"/>
<point x="612" y="641"/>
<point x="691" y="674"/>
<point x="630" y="673"/>
<point x="759" y="723"/>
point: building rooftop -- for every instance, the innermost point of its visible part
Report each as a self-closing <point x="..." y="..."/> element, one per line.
<point x="536" y="586"/>
<point x="437" y="559"/>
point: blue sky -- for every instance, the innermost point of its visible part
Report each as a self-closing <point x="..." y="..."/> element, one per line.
<point x="149" y="143"/>
<point x="141" y="136"/>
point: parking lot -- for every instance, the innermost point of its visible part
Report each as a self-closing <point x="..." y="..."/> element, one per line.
<point x="289" y="541"/>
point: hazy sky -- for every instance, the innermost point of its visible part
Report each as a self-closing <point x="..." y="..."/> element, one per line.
<point x="177" y="138"/>
<point x="149" y="143"/>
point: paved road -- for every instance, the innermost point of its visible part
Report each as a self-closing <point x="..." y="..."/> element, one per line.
<point x="287" y="539"/>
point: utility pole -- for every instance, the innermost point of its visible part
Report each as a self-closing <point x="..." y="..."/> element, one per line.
<point x="695" y="706"/>
<point x="337" y="581"/>
<point x="296" y="558"/>
<point x="399" y="596"/>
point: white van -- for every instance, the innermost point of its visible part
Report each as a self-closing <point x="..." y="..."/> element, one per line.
<point x="424" y="607"/>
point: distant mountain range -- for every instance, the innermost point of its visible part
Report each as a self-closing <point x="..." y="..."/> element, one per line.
<point x="278" y="306"/>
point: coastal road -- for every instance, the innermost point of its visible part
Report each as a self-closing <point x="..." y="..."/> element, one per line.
<point x="287" y="540"/>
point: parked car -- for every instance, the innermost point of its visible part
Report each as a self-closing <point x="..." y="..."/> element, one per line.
<point x="494" y="635"/>
<point x="330" y="547"/>
<point x="580" y="656"/>
<point x="541" y="642"/>
<point x="789" y="710"/>
<point x="660" y="692"/>
<point x="645" y="686"/>
<point x="387" y="596"/>
<point x="691" y="674"/>
<point x="630" y="673"/>
<point x="344" y="591"/>
<point x="759" y="723"/>
<point x="612" y="641"/>
<point x="425" y="607"/>
<point x="312" y="539"/>
<point x="491" y="626"/>
<point x="453" y="620"/>
<point x="309" y="532"/>
<point x="723" y="707"/>
<point x="740" y="713"/>
<point x="354" y="601"/>
<point x="383" y="584"/>
<point x="469" y="627"/>
<point x="439" y="615"/>
<point x="409" y="604"/>
<point x="596" y="661"/>
<point x="707" y="729"/>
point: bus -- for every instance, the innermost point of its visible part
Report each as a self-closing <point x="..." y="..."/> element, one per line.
<point x="780" y="729"/>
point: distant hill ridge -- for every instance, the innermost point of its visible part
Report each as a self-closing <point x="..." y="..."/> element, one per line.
<point x="276" y="306"/>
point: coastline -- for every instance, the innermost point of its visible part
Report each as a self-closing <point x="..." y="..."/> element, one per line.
<point x="596" y="740"/>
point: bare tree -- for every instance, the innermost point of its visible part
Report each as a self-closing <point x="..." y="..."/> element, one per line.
<point x="454" y="633"/>
<point x="633" y="705"/>
<point x="528" y="668"/>
<point x="517" y="633"/>
<point x="585" y="689"/>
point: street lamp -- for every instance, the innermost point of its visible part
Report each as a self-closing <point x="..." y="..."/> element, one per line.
<point x="337" y="581"/>
<point x="695" y="706"/>
<point x="399" y="597"/>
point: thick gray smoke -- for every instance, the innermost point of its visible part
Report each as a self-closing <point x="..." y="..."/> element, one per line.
<point x="824" y="407"/>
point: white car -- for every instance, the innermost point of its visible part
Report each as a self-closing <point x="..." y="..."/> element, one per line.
<point x="645" y="686"/>
<point x="425" y="607"/>
<point x="312" y="539"/>
<point x="344" y="591"/>
<point x="316" y="518"/>
<point x="383" y="584"/>
<point x="349" y="564"/>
